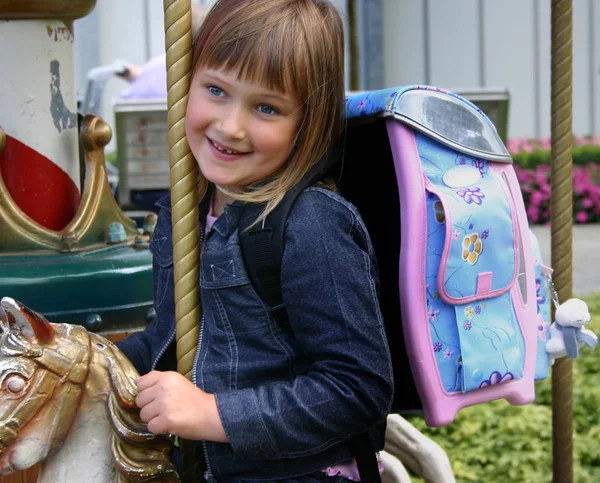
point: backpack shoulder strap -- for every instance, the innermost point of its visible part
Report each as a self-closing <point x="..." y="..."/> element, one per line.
<point x="262" y="250"/>
<point x="262" y="245"/>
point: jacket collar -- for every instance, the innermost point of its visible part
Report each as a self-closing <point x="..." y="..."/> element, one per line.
<point x="225" y="225"/>
<point x="230" y="219"/>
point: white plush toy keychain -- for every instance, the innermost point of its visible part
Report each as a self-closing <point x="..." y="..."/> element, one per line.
<point x="567" y="333"/>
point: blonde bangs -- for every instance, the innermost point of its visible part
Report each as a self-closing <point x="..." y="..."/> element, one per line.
<point x="264" y="52"/>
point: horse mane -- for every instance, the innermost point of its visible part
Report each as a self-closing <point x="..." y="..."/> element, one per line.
<point x="138" y="454"/>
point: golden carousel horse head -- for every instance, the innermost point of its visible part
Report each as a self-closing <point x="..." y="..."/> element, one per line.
<point x="52" y="376"/>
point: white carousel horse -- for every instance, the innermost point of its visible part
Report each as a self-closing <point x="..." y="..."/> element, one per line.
<point x="405" y="444"/>
<point x="67" y="399"/>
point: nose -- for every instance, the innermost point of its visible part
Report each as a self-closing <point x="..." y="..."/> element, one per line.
<point x="232" y="123"/>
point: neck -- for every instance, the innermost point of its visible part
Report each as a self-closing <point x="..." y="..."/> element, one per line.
<point x="218" y="202"/>
<point x="85" y="454"/>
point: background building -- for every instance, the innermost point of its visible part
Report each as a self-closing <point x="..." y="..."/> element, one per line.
<point x="456" y="44"/>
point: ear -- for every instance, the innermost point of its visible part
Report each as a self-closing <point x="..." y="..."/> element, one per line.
<point x="4" y="327"/>
<point x="30" y="324"/>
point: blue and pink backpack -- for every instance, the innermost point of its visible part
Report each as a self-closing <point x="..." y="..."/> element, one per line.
<point x="463" y="296"/>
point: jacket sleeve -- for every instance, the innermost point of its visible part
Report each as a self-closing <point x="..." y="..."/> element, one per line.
<point x="140" y="347"/>
<point x="329" y="286"/>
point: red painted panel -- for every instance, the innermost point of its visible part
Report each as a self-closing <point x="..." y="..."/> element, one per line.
<point x="42" y="190"/>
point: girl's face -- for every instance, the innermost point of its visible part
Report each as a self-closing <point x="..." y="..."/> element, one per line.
<point x="239" y="132"/>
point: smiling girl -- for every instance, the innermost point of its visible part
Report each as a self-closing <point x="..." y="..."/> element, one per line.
<point x="272" y="399"/>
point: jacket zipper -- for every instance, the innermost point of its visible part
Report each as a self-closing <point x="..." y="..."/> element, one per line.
<point x="162" y="351"/>
<point x="208" y="476"/>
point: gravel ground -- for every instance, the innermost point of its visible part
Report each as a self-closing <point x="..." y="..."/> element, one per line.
<point x="586" y="255"/>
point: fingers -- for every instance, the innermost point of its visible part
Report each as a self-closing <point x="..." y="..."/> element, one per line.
<point x="170" y="403"/>
<point x="149" y="412"/>
<point x="144" y="398"/>
<point x="156" y="421"/>
<point x="148" y="380"/>
<point x="146" y="384"/>
<point x="157" y="426"/>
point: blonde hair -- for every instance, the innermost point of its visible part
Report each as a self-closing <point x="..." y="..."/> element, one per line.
<point x="293" y="46"/>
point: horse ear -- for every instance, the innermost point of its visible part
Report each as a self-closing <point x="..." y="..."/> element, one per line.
<point x="4" y="327"/>
<point x="26" y="321"/>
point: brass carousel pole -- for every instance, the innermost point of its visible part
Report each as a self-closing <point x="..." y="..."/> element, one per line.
<point x="354" y="49"/>
<point x="184" y="184"/>
<point x="562" y="226"/>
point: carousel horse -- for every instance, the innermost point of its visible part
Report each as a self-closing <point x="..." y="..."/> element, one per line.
<point x="67" y="400"/>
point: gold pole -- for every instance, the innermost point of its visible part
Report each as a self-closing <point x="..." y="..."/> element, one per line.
<point x="184" y="180"/>
<point x="354" y="46"/>
<point x="562" y="226"/>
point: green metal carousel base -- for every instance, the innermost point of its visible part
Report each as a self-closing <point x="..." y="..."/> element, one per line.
<point x="105" y="290"/>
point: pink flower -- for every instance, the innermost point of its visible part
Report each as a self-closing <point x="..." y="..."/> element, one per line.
<point x="471" y="195"/>
<point x="587" y="202"/>
<point x="543" y="327"/>
<point x="581" y="217"/>
<point x="536" y="198"/>
<point x="533" y="213"/>
<point x="432" y="314"/>
<point x="477" y="163"/>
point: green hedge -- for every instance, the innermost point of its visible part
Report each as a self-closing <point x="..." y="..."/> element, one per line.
<point x="111" y="157"/>
<point x="582" y="155"/>
<point x="499" y="443"/>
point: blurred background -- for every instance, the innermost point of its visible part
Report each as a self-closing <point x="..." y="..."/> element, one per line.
<point x="465" y="46"/>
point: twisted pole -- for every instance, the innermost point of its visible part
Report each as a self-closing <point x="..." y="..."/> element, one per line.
<point x="562" y="226"/>
<point x="184" y="179"/>
<point x="354" y="48"/>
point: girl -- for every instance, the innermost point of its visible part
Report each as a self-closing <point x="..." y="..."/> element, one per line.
<point x="271" y="400"/>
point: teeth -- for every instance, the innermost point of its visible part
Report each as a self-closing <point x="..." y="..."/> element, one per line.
<point x="228" y="151"/>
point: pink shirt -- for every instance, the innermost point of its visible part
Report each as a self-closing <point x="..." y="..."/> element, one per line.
<point x="210" y="221"/>
<point x="349" y="469"/>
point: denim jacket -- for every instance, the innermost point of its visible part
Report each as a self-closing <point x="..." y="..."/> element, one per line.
<point x="289" y="395"/>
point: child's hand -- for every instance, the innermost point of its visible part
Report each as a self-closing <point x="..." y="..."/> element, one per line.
<point x="170" y="403"/>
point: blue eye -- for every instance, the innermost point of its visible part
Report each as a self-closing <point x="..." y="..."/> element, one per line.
<point x="216" y="91"/>
<point x="265" y="109"/>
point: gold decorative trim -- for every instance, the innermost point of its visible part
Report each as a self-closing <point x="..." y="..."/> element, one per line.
<point x="31" y="9"/>
<point x="97" y="210"/>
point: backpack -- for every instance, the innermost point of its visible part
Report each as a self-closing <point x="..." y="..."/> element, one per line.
<point x="463" y="294"/>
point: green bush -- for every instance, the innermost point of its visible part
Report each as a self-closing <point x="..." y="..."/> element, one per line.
<point x="111" y="157"/>
<point x="582" y="155"/>
<point x="499" y="443"/>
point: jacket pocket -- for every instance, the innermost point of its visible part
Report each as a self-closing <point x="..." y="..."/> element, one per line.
<point x="229" y="297"/>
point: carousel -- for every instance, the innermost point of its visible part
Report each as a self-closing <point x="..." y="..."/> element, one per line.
<point x="76" y="272"/>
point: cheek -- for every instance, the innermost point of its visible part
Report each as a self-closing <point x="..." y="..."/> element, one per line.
<point x="191" y="119"/>
<point x="279" y="141"/>
<point x="188" y="124"/>
<point x="195" y="114"/>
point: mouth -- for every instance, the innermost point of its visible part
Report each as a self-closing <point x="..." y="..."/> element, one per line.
<point x="225" y="149"/>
